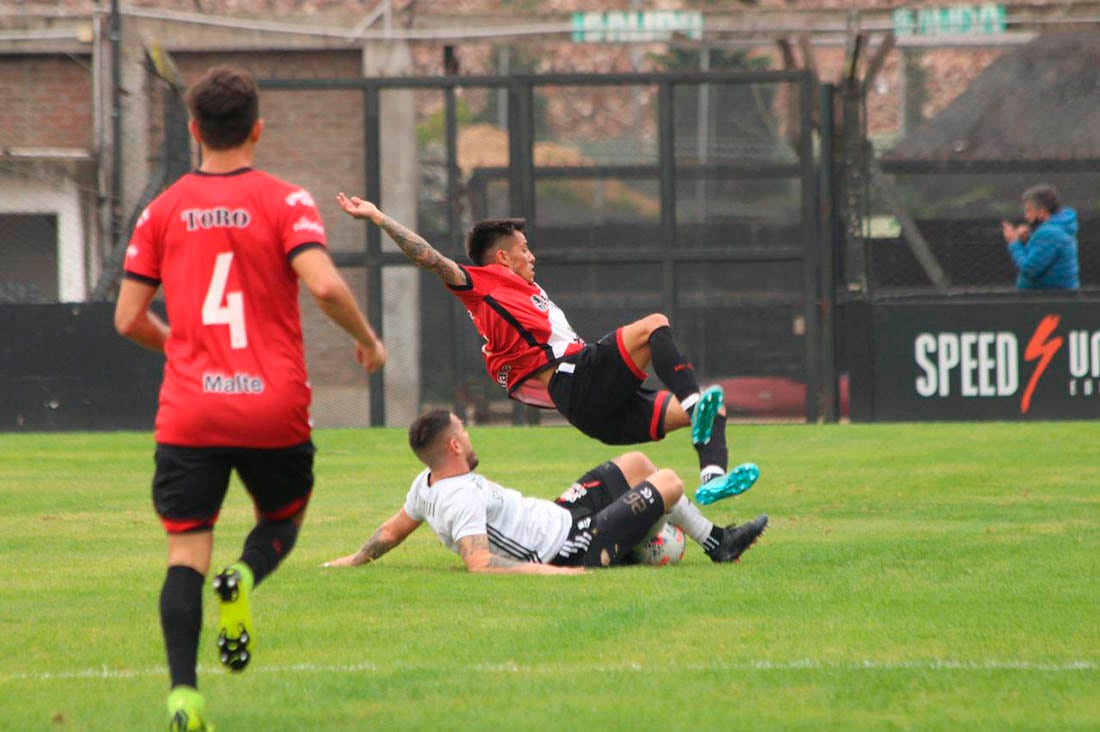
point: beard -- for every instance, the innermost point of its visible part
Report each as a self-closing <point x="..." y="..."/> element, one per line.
<point x="471" y="460"/>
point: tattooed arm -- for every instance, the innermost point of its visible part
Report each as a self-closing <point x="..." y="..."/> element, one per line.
<point x="388" y="535"/>
<point x="423" y="254"/>
<point x="478" y="557"/>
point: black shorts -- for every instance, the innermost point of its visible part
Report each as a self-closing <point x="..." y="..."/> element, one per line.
<point x="609" y="518"/>
<point x="190" y="482"/>
<point x="599" y="390"/>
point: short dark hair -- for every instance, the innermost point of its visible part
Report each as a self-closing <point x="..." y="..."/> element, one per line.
<point x="1044" y="196"/>
<point x="225" y="104"/>
<point x="426" y="429"/>
<point x="484" y="235"/>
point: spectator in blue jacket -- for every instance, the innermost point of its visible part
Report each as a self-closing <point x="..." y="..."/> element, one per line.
<point x="1044" y="250"/>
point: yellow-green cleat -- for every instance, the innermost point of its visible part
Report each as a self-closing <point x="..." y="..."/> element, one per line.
<point x="187" y="710"/>
<point x="233" y="585"/>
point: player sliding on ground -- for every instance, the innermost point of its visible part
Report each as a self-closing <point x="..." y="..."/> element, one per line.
<point x="597" y="522"/>
<point x="533" y="352"/>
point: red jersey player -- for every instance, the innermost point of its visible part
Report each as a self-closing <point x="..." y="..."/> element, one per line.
<point x="531" y="350"/>
<point x="228" y="244"/>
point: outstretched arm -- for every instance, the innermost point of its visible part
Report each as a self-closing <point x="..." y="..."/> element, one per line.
<point x="423" y="254"/>
<point x="335" y="299"/>
<point x="388" y="535"/>
<point x="479" y="557"/>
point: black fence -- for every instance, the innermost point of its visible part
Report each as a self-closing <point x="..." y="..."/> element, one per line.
<point x="711" y="219"/>
<point x="63" y="367"/>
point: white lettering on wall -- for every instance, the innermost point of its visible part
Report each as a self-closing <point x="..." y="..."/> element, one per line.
<point x="982" y="364"/>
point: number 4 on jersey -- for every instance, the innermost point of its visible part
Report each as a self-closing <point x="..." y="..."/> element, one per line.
<point x="232" y="312"/>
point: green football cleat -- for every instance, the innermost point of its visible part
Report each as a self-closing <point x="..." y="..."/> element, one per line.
<point x="233" y="585"/>
<point x="702" y="416"/>
<point x="733" y="483"/>
<point x="186" y="709"/>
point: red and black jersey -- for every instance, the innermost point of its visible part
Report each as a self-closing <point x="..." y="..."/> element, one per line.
<point x="524" y="331"/>
<point x="220" y="246"/>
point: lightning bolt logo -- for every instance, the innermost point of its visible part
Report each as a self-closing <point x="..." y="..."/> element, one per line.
<point x="1042" y="347"/>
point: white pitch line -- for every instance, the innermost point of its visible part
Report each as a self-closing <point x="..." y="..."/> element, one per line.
<point x="806" y="664"/>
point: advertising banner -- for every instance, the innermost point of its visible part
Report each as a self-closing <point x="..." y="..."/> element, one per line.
<point x="1014" y="359"/>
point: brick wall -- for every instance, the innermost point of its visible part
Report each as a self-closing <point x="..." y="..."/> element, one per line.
<point x="47" y="102"/>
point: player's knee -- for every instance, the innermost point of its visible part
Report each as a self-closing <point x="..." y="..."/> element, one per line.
<point x="653" y="322"/>
<point x="668" y="484"/>
<point x="642" y="329"/>
<point x="636" y="466"/>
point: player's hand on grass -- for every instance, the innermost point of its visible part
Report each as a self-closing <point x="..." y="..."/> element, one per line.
<point x="348" y="561"/>
<point x="372" y="358"/>
<point x="358" y="208"/>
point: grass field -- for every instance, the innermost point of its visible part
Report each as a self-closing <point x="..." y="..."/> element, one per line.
<point x="913" y="577"/>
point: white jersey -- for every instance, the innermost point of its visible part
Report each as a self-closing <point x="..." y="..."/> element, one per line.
<point x="527" y="529"/>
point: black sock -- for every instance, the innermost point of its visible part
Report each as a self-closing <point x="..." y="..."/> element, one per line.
<point x="672" y="367"/>
<point x="181" y="621"/>
<point x="266" y="546"/>
<point x="714" y="540"/>
<point x="715" y="452"/>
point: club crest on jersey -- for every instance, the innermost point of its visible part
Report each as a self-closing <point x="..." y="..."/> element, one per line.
<point x="502" y="375"/>
<point x="576" y="492"/>
<point x="540" y="302"/>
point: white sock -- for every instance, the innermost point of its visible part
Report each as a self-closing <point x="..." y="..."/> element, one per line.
<point x="688" y="517"/>
<point x="710" y="472"/>
<point x="690" y="402"/>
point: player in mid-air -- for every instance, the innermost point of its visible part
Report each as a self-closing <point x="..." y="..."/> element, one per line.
<point x="597" y="522"/>
<point x="532" y="351"/>
<point x="228" y="244"/>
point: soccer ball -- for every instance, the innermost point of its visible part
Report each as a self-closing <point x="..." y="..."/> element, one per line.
<point x="665" y="547"/>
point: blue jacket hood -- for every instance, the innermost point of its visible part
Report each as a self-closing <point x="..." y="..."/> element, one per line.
<point x="1064" y="219"/>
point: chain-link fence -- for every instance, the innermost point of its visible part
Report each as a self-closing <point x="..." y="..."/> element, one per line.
<point x="933" y="197"/>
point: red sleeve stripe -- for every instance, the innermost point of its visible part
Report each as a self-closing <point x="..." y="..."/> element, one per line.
<point x="288" y="510"/>
<point x="625" y="354"/>
<point x="660" y="409"/>
<point x="176" y="526"/>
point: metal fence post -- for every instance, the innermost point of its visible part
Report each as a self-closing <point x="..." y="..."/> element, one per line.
<point x="828" y="252"/>
<point x="666" y="161"/>
<point x="453" y="227"/>
<point x="810" y="242"/>
<point x="521" y="182"/>
<point x="372" y="154"/>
